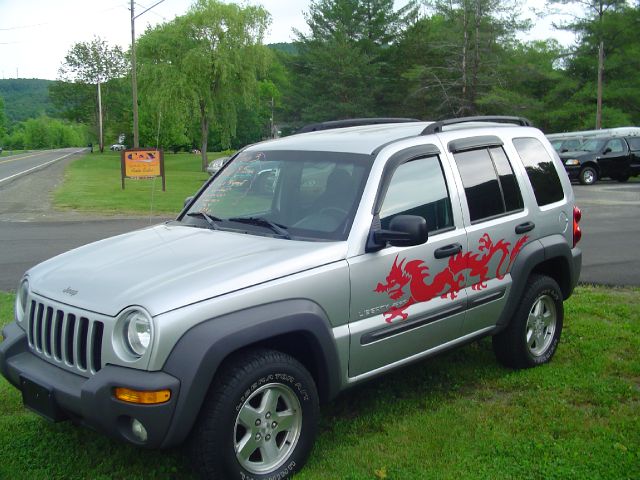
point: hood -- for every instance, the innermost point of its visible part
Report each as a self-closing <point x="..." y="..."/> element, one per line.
<point x="168" y="266"/>
<point x="577" y="154"/>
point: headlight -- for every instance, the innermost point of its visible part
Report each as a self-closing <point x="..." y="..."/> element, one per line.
<point x="21" y="300"/>
<point x="572" y="162"/>
<point x="136" y="332"/>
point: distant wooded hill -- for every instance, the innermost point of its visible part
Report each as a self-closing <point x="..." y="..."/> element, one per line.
<point x="26" y="98"/>
<point x="289" y="48"/>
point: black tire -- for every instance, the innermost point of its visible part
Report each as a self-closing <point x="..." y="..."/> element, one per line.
<point x="588" y="176"/>
<point x="245" y="384"/>
<point x="623" y="178"/>
<point x="527" y="341"/>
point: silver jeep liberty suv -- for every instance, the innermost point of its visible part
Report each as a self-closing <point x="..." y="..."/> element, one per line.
<point x="306" y="265"/>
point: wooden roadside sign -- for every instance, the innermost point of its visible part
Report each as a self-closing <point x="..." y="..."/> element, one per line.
<point x="142" y="164"/>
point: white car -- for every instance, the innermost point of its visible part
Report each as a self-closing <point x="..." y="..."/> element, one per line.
<point x="217" y="164"/>
<point x="116" y="147"/>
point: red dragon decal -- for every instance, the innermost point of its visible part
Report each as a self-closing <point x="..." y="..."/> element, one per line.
<point x="449" y="281"/>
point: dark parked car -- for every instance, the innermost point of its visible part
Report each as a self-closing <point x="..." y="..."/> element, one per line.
<point x="603" y="157"/>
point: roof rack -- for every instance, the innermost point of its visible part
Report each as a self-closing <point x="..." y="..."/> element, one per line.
<point x="352" y="122"/>
<point x="436" y="127"/>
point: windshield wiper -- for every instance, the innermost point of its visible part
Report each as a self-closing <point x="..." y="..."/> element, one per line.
<point x="263" y="222"/>
<point x="209" y="218"/>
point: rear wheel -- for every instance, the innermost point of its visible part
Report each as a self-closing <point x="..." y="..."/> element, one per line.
<point x="534" y="331"/>
<point x="622" y="178"/>
<point x="259" y="419"/>
<point x="588" y="176"/>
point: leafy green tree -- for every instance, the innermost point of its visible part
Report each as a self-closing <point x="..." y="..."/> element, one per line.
<point x="339" y="64"/>
<point x="44" y="132"/>
<point x="607" y="37"/>
<point x="93" y="63"/>
<point x="207" y="62"/>
<point x="531" y="83"/>
<point x="466" y="45"/>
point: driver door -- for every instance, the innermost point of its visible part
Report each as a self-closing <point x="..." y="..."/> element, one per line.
<point x="406" y="300"/>
<point x="614" y="161"/>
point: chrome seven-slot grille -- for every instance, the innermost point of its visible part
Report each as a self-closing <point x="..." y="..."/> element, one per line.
<point x="70" y="340"/>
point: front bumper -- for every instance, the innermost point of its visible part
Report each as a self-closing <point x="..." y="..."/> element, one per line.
<point x="573" y="171"/>
<point x="88" y="401"/>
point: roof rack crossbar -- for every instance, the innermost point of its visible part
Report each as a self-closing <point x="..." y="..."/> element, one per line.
<point x="436" y="127"/>
<point x="352" y="122"/>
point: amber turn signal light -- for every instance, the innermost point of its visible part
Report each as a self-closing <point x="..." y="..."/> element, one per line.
<point x="142" y="397"/>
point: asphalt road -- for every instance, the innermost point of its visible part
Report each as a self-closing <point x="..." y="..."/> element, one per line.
<point x="25" y="244"/>
<point x="15" y="166"/>
<point x="611" y="232"/>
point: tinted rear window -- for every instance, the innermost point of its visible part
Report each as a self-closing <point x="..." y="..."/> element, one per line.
<point x="540" y="169"/>
<point x="489" y="183"/>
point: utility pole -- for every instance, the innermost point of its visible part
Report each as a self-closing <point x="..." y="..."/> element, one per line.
<point x="271" y="124"/>
<point x="600" y="75"/>
<point x="134" y="79"/>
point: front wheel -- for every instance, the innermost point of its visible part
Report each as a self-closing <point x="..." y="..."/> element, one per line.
<point x="532" y="336"/>
<point x="259" y="419"/>
<point x="588" y="176"/>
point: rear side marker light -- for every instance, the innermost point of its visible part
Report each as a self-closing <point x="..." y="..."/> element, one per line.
<point x="577" y="232"/>
<point x="143" y="397"/>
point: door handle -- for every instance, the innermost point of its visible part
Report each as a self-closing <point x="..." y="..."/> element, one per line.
<point x="525" y="227"/>
<point x="448" y="251"/>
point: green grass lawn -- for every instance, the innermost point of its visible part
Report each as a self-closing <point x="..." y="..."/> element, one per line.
<point x="93" y="183"/>
<point x="459" y="415"/>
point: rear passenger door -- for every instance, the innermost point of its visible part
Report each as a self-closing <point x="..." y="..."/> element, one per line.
<point x="496" y="222"/>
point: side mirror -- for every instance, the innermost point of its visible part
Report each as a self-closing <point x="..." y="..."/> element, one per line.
<point x="606" y="150"/>
<point x="187" y="201"/>
<point x="403" y="231"/>
<point x="564" y="150"/>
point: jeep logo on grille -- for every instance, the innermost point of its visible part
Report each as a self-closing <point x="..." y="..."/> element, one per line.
<point x="70" y="291"/>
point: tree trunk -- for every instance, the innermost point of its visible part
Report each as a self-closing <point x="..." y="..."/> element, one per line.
<point x="476" y="60"/>
<point x="204" y="131"/>
<point x="465" y="50"/>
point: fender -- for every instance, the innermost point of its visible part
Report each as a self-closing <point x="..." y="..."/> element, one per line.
<point x="532" y="255"/>
<point x="197" y="356"/>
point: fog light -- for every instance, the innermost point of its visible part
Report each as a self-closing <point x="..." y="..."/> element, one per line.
<point x="138" y="430"/>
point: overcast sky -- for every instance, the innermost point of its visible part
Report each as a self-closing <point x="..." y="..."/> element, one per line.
<point x="35" y="35"/>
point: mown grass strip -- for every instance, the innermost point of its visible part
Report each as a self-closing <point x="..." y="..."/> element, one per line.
<point x="92" y="183"/>
<point x="459" y="415"/>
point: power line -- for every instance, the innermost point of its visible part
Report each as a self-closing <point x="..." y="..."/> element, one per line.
<point x="24" y="26"/>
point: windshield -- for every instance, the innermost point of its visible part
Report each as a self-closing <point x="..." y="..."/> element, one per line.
<point x="592" y="145"/>
<point x="287" y="194"/>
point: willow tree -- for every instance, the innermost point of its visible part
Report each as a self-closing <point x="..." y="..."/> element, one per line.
<point x="205" y="64"/>
<point x="93" y="63"/>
